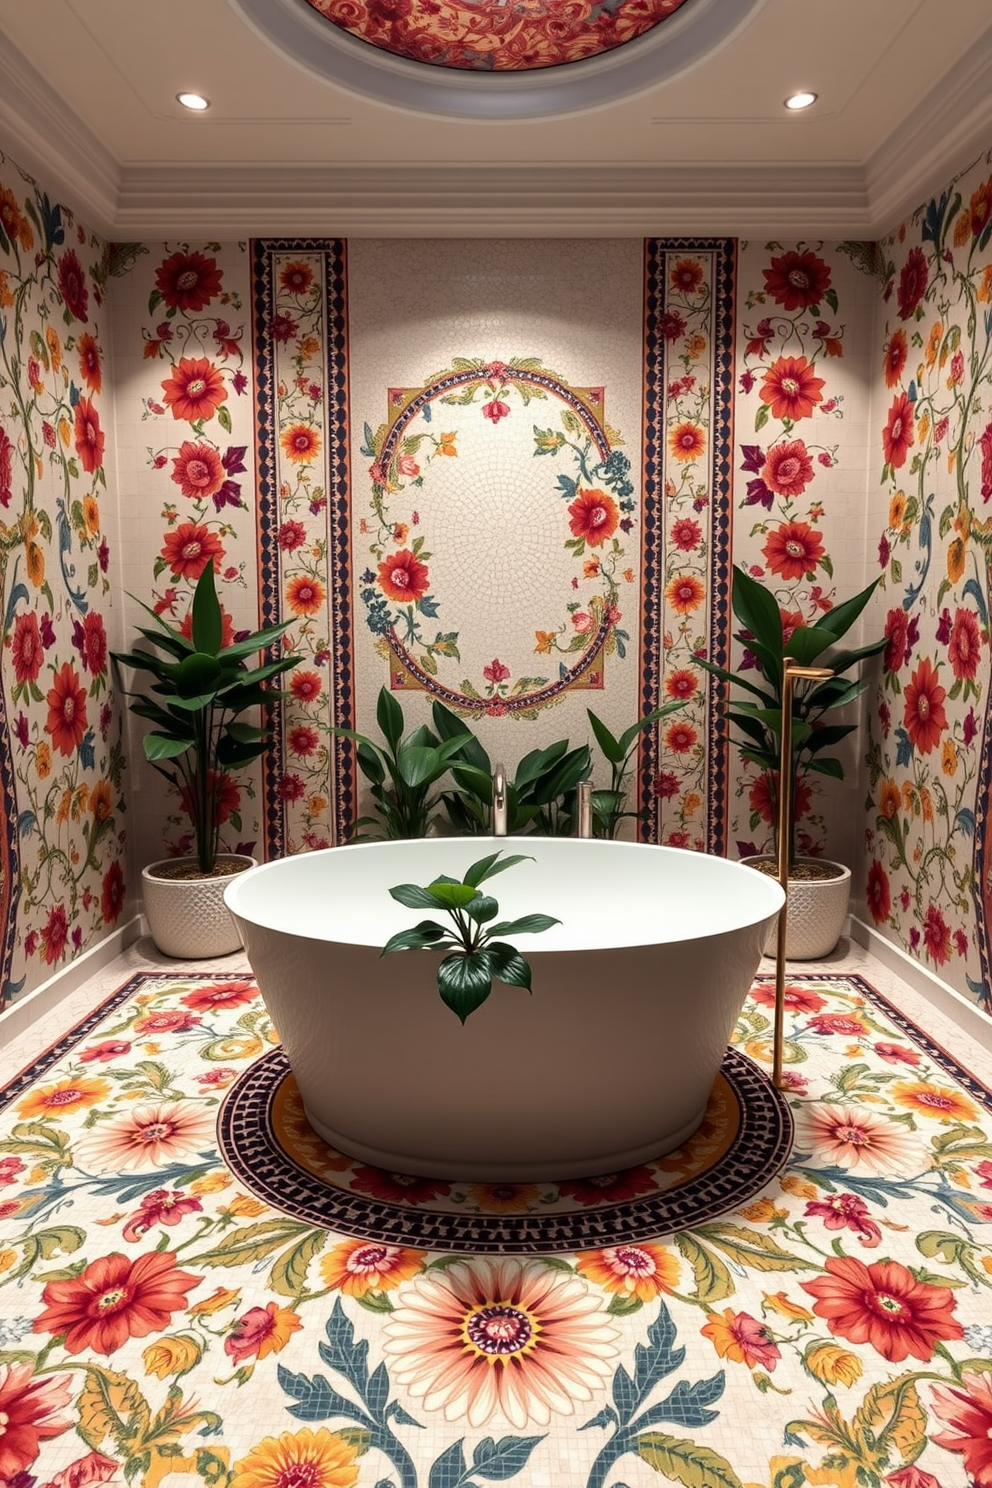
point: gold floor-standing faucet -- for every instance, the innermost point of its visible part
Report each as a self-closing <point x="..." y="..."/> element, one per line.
<point x="790" y="676"/>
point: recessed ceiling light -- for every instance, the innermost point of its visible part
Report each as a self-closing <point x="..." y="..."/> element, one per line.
<point x="800" y="100"/>
<point x="194" y="101"/>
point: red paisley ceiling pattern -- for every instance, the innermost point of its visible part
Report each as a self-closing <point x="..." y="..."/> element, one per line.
<point x="496" y="35"/>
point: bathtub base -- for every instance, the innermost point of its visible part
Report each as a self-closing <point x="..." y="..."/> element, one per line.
<point x="608" y="1063"/>
<point x="545" y="1170"/>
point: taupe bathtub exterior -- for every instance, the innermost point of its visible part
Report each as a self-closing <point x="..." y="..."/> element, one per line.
<point x="609" y="1062"/>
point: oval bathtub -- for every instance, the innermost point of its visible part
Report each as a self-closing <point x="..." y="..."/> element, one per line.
<point x="609" y="1062"/>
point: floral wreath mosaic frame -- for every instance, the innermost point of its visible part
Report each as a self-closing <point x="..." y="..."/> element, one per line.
<point x="596" y="516"/>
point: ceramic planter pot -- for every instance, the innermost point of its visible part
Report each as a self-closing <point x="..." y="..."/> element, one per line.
<point x="187" y="916"/>
<point x="817" y="910"/>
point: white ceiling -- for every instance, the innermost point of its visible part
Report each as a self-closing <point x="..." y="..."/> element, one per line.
<point x="87" y="102"/>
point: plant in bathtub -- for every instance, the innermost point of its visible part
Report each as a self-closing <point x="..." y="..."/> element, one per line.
<point x="200" y="686"/>
<point x="465" y="977"/>
<point x="402" y="775"/>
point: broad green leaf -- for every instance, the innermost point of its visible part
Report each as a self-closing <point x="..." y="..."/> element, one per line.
<point x="255" y="1243"/>
<point x="482" y="908"/>
<point x="530" y="924"/>
<point x="611" y="746"/>
<point x="685" y="1462"/>
<point x="629" y="735"/>
<point x="426" y="934"/>
<point x="111" y="1406"/>
<point x="464" y="981"/>
<point x="206" y="619"/>
<point x="756" y="609"/>
<point x="489" y="867"/>
<point x="565" y="776"/>
<point x="453" y="895"/>
<point x="840" y="619"/>
<point x="805" y="644"/>
<point x="389" y="716"/>
<point x="419" y="764"/>
<point x="508" y="964"/>
<point x="414" y="897"/>
<point x="159" y="747"/>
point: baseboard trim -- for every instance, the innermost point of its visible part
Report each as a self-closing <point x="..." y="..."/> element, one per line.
<point x="24" y="1011"/>
<point x="967" y="1015"/>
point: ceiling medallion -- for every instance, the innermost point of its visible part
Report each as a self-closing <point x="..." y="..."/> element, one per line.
<point x="496" y="35"/>
<point x="497" y="59"/>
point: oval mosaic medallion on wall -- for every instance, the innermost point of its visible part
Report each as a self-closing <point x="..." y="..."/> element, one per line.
<point x="537" y="506"/>
<point x="267" y="1143"/>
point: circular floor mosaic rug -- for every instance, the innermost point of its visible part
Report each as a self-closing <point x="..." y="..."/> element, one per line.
<point x="269" y="1145"/>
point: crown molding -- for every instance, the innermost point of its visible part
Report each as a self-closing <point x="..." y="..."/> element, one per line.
<point x="947" y="130"/>
<point x="457" y="200"/>
<point x="46" y="137"/>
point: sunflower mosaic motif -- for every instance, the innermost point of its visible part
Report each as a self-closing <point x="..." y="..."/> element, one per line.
<point x="538" y="509"/>
<point x="496" y="35"/>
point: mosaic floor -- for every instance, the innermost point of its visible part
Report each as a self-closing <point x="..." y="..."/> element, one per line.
<point x="195" y="1288"/>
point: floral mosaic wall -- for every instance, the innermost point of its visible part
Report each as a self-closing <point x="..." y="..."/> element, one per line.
<point x="927" y="828"/>
<point x="62" y="883"/>
<point x="304" y="414"/>
<point x="183" y="358"/>
<point x="800" y="437"/>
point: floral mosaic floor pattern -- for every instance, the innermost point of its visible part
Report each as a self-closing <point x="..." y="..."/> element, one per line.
<point x="164" y="1324"/>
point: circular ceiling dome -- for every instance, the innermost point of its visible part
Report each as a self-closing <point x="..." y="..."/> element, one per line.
<point x="497" y="59"/>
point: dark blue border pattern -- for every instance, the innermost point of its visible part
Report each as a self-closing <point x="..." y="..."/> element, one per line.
<point x="723" y="253"/>
<point x="338" y="485"/>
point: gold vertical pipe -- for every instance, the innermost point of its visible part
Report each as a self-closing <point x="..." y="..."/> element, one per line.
<point x="790" y="675"/>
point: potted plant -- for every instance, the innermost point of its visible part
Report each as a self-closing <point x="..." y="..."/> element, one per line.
<point x="402" y="775"/>
<point x="199" y="689"/>
<point x="541" y="797"/>
<point x="819" y="890"/>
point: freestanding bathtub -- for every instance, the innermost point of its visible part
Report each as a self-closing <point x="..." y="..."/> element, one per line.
<point x="609" y="1062"/>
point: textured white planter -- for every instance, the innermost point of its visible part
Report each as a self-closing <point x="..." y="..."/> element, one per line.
<point x="609" y="1063"/>
<point x="817" y="910"/>
<point x="187" y="917"/>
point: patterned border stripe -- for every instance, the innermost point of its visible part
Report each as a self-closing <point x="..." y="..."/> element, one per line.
<point x="10" y="866"/>
<point x="670" y="347"/>
<point x="338" y="415"/>
<point x="332" y="276"/>
<point x="981" y="1092"/>
<point x="250" y="1148"/>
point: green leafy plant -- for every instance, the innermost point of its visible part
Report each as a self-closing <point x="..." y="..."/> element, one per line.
<point x="402" y="774"/>
<point x="758" y="715"/>
<point x="608" y="805"/>
<point x="540" y="797"/>
<point x="199" y="689"/>
<point x="465" y="977"/>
